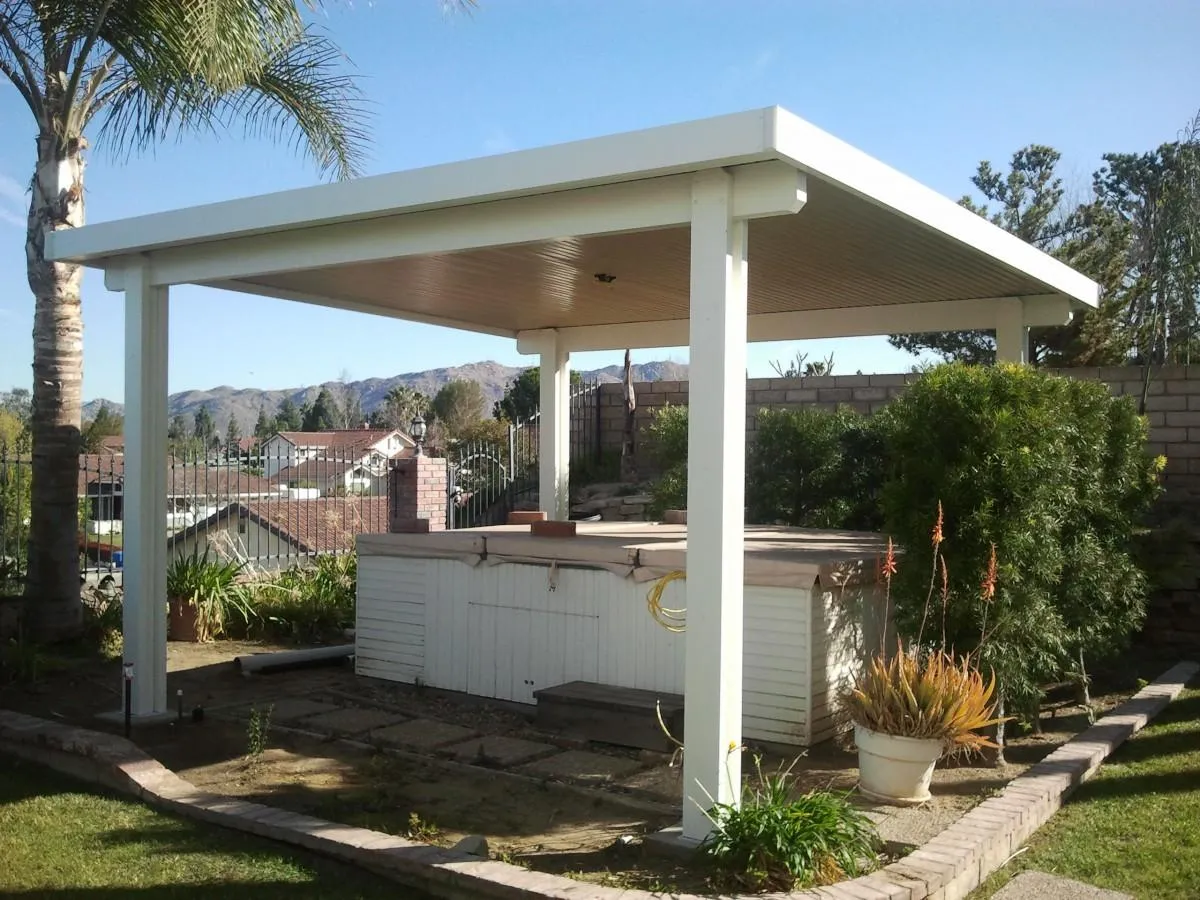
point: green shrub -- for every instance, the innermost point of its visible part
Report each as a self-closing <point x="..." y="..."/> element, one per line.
<point x="310" y="603"/>
<point x="668" y="448"/>
<point x="805" y="467"/>
<point x="773" y="842"/>
<point x="816" y="469"/>
<point x="1050" y="472"/>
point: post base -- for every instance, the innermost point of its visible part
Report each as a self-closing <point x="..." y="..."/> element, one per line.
<point x="671" y="842"/>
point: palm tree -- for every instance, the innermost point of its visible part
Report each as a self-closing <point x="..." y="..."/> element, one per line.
<point x="128" y="73"/>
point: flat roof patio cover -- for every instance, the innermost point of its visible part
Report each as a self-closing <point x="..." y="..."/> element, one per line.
<point x="752" y="226"/>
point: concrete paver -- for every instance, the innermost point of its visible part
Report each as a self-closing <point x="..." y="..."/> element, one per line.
<point x="289" y="709"/>
<point x="579" y="765"/>
<point x="351" y="721"/>
<point x="422" y="734"/>
<point x="500" y="751"/>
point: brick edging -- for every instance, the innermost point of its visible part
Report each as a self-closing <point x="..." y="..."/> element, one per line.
<point x="946" y="868"/>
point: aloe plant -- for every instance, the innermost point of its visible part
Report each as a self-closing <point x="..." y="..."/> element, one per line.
<point x="920" y="692"/>
<point x="933" y="695"/>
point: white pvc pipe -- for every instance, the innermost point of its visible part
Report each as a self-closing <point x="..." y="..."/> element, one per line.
<point x="293" y="659"/>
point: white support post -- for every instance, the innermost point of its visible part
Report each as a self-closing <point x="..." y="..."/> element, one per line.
<point x="716" y="499"/>
<point x="554" y="430"/>
<point x="1012" y="334"/>
<point x="145" y="492"/>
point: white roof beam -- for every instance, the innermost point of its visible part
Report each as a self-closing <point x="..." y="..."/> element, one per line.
<point x="864" y="321"/>
<point x="761" y="189"/>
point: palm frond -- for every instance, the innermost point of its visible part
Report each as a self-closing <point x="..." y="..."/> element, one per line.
<point x="203" y="66"/>
<point x="305" y="95"/>
<point x="18" y="30"/>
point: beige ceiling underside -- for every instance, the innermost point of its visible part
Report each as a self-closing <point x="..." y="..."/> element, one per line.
<point x="839" y="251"/>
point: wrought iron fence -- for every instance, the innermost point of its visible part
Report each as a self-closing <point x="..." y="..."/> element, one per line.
<point x="488" y="479"/>
<point x="279" y="503"/>
<point x="270" y="507"/>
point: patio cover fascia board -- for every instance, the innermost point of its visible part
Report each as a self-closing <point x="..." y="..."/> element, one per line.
<point x="735" y="139"/>
<point x="628" y="182"/>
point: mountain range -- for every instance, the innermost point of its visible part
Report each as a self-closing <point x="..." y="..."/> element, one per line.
<point x="244" y="403"/>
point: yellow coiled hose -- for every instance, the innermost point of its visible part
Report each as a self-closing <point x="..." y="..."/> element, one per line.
<point x="670" y="619"/>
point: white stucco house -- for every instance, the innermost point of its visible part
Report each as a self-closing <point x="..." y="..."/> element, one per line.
<point x="292" y="448"/>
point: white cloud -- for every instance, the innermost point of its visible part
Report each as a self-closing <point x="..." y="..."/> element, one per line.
<point x="12" y="202"/>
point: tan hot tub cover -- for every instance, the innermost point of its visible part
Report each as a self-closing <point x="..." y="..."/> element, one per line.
<point x="644" y="551"/>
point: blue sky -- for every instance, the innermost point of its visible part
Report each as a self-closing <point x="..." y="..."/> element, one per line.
<point x="929" y="87"/>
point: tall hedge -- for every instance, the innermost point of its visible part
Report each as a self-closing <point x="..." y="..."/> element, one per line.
<point x="805" y="467"/>
<point x="815" y="468"/>
<point x="1053" y="473"/>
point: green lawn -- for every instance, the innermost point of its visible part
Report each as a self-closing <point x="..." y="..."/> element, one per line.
<point x="61" y="838"/>
<point x="1135" y="827"/>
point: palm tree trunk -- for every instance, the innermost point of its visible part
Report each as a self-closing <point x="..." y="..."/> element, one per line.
<point x="54" y="610"/>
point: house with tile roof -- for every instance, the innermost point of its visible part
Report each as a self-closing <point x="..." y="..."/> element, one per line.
<point x="194" y="492"/>
<point x="277" y="533"/>
<point x="287" y="449"/>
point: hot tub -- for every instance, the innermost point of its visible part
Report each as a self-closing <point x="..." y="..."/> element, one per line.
<point x="496" y="612"/>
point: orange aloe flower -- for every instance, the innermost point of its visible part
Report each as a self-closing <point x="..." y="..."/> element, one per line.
<point x="889" y="562"/>
<point x="989" y="580"/>
<point x="937" y="528"/>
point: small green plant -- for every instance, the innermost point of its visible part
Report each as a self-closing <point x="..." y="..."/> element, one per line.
<point x="210" y="585"/>
<point x="258" y="732"/>
<point x="776" y="842"/>
<point x="420" y="830"/>
<point x="102" y="619"/>
<point x="310" y="603"/>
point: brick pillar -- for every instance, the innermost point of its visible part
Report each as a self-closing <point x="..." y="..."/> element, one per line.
<point x="417" y="499"/>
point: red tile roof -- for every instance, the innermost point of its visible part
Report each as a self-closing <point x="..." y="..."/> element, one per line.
<point x="327" y="525"/>
<point x="182" y="480"/>
<point x="319" y="469"/>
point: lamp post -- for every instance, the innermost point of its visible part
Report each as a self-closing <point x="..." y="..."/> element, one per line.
<point x="418" y="433"/>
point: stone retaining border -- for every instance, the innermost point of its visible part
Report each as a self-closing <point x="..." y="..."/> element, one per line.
<point x="946" y="868"/>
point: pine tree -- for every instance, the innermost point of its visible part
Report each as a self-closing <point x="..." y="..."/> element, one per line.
<point x="322" y="415"/>
<point x="289" y="416"/>
<point x="263" y="425"/>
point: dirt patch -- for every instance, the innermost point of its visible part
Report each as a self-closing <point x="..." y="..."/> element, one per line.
<point x="436" y="766"/>
<point x="402" y="795"/>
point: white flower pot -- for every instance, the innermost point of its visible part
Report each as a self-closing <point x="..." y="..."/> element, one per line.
<point x="895" y="769"/>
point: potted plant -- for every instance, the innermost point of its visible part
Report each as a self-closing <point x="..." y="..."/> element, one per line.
<point x="202" y="592"/>
<point x="919" y="703"/>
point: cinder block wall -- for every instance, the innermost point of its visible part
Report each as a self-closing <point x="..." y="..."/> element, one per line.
<point x="1172" y="407"/>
